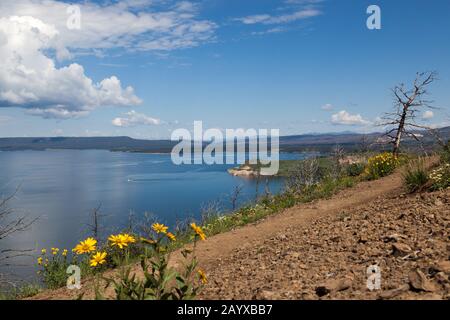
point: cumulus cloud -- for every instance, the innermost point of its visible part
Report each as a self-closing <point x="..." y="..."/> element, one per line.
<point x="29" y="79"/>
<point x="345" y="118"/>
<point x="427" y="115"/>
<point x="132" y="119"/>
<point x="34" y="34"/>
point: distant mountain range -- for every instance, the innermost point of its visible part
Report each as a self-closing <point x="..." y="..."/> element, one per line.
<point x="305" y="142"/>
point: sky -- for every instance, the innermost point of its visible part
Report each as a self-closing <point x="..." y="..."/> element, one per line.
<point x="143" y="68"/>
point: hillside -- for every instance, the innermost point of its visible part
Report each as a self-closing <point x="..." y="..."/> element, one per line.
<point x="322" y="249"/>
<point x="306" y="142"/>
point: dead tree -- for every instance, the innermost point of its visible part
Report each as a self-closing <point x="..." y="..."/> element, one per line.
<point x="95" y="226"/>
<point x="365" y="143"/>
<point x="235" y="196"/>
<point x="337" y="156"/>
<point x="407" y="103"/>
<point x="11" y="224"/>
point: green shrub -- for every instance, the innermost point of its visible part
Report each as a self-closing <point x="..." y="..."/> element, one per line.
<point x="415" y="175"/>
<point x="440" y="177"/>
<point x="160" y="282"/>
<point x="20" y="292"/>
<point x="445" y="153"/>
<point x="355" y="169"/>
<point x="381" y="165"/>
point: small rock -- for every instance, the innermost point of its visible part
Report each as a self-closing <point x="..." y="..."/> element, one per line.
<point x="443" y="266"/>
<point x="400" y="249"/>
<point x="302" y="266"/>
<point x="282" y="237"/>
<point x="264" y="295"/>
<point x="333" y="285"/>
<point x="335" y="239"/>
<point x="441" y="277"/>
<point x="362" y="239"/>
<point x="419" y="281"/>
<point x="389" y="294"/>
<point x="394" y="237"/>
<point x="295" y="255"/>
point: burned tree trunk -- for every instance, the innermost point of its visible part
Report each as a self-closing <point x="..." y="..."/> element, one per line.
<point x="407" y="103"/>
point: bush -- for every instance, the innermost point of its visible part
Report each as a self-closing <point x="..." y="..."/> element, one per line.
<point x="445" y="153"/>
<point x="440" y="177"/>
<point x="415" y="175"/>
<point x="53" y="266"/>
<point x="355" y="169"/>
<point x="305" y="174"/>
<point x="381" y="165"/>
<point x="160" y="282"/>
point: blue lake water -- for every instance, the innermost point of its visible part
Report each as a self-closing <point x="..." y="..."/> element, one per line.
<point x="62" y="187"/>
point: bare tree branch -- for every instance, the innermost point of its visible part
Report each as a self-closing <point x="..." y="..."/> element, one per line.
<point x="407" y="103"/>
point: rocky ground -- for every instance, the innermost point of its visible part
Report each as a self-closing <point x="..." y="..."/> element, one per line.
<point x="407" y="237"/>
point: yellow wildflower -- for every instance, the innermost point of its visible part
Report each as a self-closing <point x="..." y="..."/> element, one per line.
<point x="64" y="253"/>
<point x="159" y="228"/>
<point x="39" y="260"/>
<point x="44" y="251"/>
<point x="202" y="276"/>
<point x="86" y="246"/>
<point x="55" y="251"/>
<point x="171" y="236"/>
<point x="128" y="239"/>
<point x="118" y="241"/>
<point x="98" y="259"/>
<point x="199" y="232"/>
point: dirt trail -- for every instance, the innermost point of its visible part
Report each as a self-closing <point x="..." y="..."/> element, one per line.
<point x="221" y="251"/>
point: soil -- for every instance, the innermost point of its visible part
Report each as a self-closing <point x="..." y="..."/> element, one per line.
<point x="321" y="250"/>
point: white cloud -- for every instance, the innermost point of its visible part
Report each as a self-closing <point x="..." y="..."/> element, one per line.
<point x="133" y="118"/>
<point x="33" y="33"/>
<point x="327" y="107"/>
<point x="345" y="118"/>
<point x="269" y="31"/>
<point x="427" y="115"/>
<point x="125" y="24"/>
<point x="280" y="19"/>
<point x="29" y="79"/>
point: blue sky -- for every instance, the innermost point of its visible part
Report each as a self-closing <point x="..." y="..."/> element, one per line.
<point x="298" y="65"/>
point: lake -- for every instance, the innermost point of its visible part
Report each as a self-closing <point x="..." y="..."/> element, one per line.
<point x="62" y="187"/>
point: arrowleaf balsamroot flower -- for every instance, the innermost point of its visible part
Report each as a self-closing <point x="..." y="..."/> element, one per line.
<point x="202" y="276"/>
<point x="117" y="240"/>
<point x="98" y="259"/>
<point x="171" y="236"/>
<point x="121" y="240"/>
<point x="198" y="231"/>
<point x="86" y="246"/>
<point x="128" y="238"/>
<point x="159" y="228"/>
